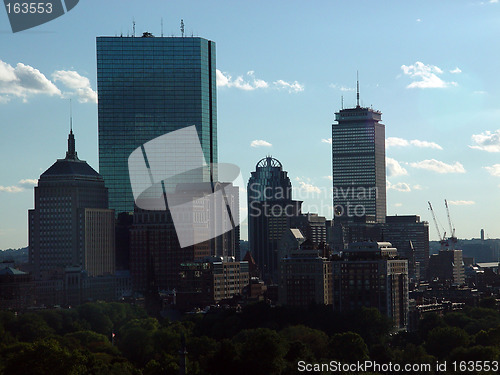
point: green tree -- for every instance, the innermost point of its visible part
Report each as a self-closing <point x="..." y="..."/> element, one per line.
<point x="261" y="351"/>
<point x="315" y="340"/>
<point x="45" y="357"/>
<point x="442" y="340"/>
<point x="348" y="347"/>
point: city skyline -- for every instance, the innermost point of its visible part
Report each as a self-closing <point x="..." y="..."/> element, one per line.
<point x="438" y="98"/>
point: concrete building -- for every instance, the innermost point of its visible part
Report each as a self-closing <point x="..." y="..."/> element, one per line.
<point x="411" y="237"/>
<point x="369" y="274"/>
<point x="155" y="251"/>
<point x="312" y="226"/>
<point x="305" y="275"/>
<point x="71" y="225"/>
<point x="211" y="281"/>
<point x="447" y="267"/>
<point x="358" y="164"/>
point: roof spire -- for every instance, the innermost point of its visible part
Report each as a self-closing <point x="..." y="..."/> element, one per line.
<point x="70" y="118"/>
<point x="357" y="88"/>
<point x="71" y="153"/>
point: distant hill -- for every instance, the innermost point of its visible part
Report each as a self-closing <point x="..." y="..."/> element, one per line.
<point x="17" y="255"/>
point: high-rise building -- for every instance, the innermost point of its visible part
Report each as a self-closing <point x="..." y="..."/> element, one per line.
<point x="71" y="225"/>
<point x="370" y="274"/>
<point x="270" y="207"/>
<point x="147" y="87"/>
<point x="447" y="267"/>
<point x="312" y="226"/>
<point x="411" y="237"/>
<point x="358" y="163"/>
<point x="305" y="276"/>
<point x="155" y="251"/>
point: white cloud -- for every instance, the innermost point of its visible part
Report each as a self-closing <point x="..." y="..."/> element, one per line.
<point x="11" y="189"/>
<point x="494" y="170"/>
<point x="309" y="188"/>
<point x="400" y="186"/>
<point x="398" y="204"/>
<point x="395" y="141"/>
<point x="400" y="142"/>
<point x="394" y="168"/>
<point x="457" y="70"/>
<point x="425" y="144"/>
<point x="28" y="182"/>
<point x="329" y="178"/>
<point x="260" y="143"/>
<point x="461" y="203"/>
<point x="23" y="81"/>
<point x="341" y="88"/>
<point x="329" y="140"/>
<point x="439" y="166"/>
<point x="250" y="82"/>
<point x="419" y="20"/>
<point x="418" y="187"/>
<point x="487" y="141"/>
<point x="493" y="1"/>
<point x="222" y="79"/>
<point x="79" y="85"/>
<point x="293" y="87"/>
<point x="426" y="76"/>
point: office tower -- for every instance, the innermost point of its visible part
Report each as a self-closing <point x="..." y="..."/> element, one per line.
<point x="71" y="224"/>
<point x="270" y="207"/>
<point x="358" y="160"/>
<point x="408" y="234"/>
<point x="149" y="86"/>
<point x="155" y="251"/>
<point x="305" y="275"/>
<point x="211" y="280"/>
<point x="312" y="226"/>
<point x="369" y="274"/>
<point x="447" y="267"/>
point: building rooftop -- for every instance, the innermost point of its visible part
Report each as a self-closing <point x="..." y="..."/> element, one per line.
<point x="71" y="165"/>
<point x="11" y="271"/>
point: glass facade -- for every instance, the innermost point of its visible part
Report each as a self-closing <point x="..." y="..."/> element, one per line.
<point x="270" y="208"/>
<point x="147" y="87"/>
<point x="358" y="163"/>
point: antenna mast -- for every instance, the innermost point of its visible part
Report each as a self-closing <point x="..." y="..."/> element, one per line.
<point x="357" y="89"/>
<point x="182" y="28"/>
<point x="162" y="27"/>
<point x="133" y="27"/>
<point x="70" y="117"/>
<point x="342" y="102"/>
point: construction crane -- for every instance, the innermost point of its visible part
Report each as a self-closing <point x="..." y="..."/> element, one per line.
<point x="452" y="241"/>
<point x="442" y="240"/>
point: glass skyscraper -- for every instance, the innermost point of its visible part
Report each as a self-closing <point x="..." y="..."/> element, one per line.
<point x="147" y="87"/>
<point x="358" y="163"/>
<point x="270" y="209"/>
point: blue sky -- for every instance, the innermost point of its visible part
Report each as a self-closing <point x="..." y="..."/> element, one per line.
<point x="431" y="67"/>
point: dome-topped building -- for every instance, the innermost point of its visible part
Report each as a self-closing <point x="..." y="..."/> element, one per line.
<point x="270" y="207"/>
<point x="71" y="224"/>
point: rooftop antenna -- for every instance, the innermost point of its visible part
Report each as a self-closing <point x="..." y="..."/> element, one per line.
<point x="357" y="90"/>
<point x="70" y="117"/>
<point x="162" y="27"/>
<point x="133" y="27"/>
<point x="342" y="101"/>
<point x="182" y="28"/>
